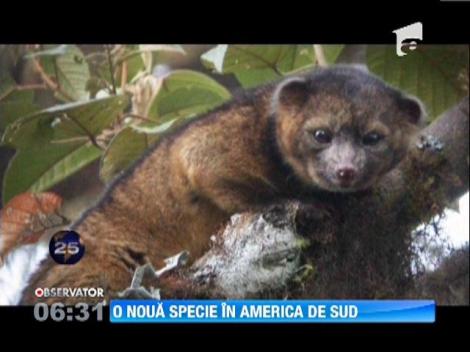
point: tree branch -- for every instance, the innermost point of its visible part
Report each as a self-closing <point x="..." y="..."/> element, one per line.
<point x="360" y="244"/>
<point x="48" y="81"/>
<point x="320" y="55"/>
<point x="111" y="68"/>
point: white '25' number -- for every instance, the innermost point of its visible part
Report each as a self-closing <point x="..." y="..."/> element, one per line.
<point x="70" y="248"/>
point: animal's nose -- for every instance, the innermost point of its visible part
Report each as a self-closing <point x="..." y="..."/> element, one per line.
<point x="346" y="174"/>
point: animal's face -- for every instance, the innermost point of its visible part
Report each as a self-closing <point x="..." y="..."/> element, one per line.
<point x="342" y="129"/>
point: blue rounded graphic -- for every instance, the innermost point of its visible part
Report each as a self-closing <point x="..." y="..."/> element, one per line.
<point x="66" y="248"/>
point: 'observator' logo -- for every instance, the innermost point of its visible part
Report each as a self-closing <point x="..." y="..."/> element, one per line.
<point x="69" y="292"/>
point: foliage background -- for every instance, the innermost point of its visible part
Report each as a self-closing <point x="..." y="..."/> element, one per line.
<point x="63" y="107"/>
<point x="72" y="117"/>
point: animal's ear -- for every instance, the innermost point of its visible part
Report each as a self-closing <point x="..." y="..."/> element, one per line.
<point x="413" y="108"/>
<point x="290" y="93"/>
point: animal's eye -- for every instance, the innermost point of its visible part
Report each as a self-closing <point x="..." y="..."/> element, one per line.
<point x="322" y="136"/>
<point x="372" y="138"/>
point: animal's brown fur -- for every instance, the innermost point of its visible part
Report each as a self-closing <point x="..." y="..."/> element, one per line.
<point x="240" y="157"/>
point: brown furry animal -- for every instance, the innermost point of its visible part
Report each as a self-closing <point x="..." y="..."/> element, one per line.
<point x="336" y="130"/>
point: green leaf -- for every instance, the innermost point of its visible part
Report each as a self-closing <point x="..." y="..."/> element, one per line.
<point x="10" y="111"/>
<point x="73" y="74"/>
<point x="257" y="64"/>
<point x="64" y="121"/>
<point x="155" y="128"/>
<point x="184" y="94"/>
<point x="122" y="151"/>
<point x="39" y="169"/>
<point x="214" y="58"/>
<point x="51" y="147"/>
<point x="54" y="51"/>
<point x="430" y="72"/>
<point x="25" y="96"/>
<point x="256" y="77"/>
<point x="295" y="57"/>
<point x="173" y="48"/>
<point x="135" y="66"/>
<point x="7" y="83"/>
<point x="15" y="105"/>
<point x="134" y="62"/>
<point x="67" y="64"/>
<point x="153" y="55"/>
<point x="332" y="52"/>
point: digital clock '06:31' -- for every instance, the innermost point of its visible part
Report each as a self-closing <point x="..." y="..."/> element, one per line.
<point x="58" y="312"/>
